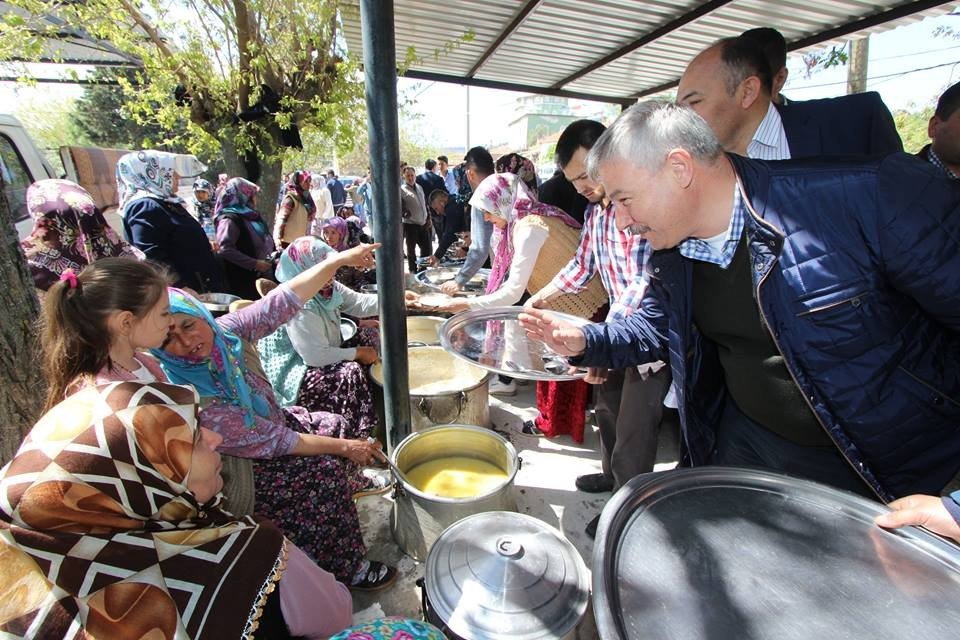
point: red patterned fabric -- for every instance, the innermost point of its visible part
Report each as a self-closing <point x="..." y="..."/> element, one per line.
<point x="563" y="408"/>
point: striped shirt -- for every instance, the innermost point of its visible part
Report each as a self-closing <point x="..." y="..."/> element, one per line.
<point x="769" y="140"/>
<point x="618" y="256"/>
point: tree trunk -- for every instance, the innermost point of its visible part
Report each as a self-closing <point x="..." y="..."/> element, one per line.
<point x="270" y="174"/>
<point x="22" y="386"/>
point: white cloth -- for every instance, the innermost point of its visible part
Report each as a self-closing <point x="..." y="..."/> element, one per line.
<point x="769" y="140"/>
<point x="321" y="197"/>
<point x="317" y="339"/>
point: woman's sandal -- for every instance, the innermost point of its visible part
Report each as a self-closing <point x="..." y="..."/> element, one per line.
<point x="377" y="576"/>
<point x="376" y="484"/>
<point x="530" y="429"/>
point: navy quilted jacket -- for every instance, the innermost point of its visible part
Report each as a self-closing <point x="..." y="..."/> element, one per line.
<point x="857" y="275"/>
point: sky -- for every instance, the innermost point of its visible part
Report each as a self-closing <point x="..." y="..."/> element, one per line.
<point x="908" y="66"/>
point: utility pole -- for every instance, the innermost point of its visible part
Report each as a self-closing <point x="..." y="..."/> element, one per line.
<point x="468" y="118"/>
<point x="857" y="67"/>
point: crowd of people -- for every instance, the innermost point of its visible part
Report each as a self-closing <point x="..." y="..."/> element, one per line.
<point x="799" y="316"/>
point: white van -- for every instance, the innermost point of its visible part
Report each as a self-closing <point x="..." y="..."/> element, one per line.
<point x="22" y="164"/>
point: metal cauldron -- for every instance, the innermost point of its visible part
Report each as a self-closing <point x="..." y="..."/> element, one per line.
<point x="424" y="331"/>
<point x="432" y="404"/>
<point x="418" y="519"/>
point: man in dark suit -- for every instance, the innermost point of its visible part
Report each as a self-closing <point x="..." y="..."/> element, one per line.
<point x="729" y="84"/>
<point x="560" y="193"/>
<point x="943" y="152"/>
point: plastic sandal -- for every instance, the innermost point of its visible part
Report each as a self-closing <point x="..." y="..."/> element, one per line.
<point x="378" y="576"/>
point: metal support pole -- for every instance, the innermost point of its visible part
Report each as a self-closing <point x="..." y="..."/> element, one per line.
<point x="380" y="80"/>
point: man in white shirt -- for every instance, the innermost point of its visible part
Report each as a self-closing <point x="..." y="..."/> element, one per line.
<point x="443" y="168"/>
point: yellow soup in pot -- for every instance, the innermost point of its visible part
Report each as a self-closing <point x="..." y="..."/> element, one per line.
<point x="456" y="477"/>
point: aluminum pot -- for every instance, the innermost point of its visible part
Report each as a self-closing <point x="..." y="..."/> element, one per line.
<point x="418" y="518"/>
<point x="468" y="404"/>
<point x="504" y="576"/>
<point x="424" y="331"/>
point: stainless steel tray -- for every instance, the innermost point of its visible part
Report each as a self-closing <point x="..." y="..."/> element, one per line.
<point x="433" y="277"/>
<point x="493" y="339"/>
<point x="718" y="552"/>
<point x="348" y="329"/>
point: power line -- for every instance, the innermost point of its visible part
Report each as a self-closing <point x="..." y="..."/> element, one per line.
<point x="888" y="75"/>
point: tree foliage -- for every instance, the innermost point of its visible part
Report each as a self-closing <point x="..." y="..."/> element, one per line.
<point x="238" y="73"/>
<point x="912" y="127"/>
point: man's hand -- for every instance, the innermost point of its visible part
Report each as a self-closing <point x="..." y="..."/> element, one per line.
<point x="596" y="375"/>
<point x="433" y="261"/>
<point x="366" y="355"/>
<point x="924" y="511"/>
<point x="563" y="337"/>
<point x="450" y="287"/>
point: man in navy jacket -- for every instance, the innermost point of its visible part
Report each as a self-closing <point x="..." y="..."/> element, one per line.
<point x="810" y="309"/>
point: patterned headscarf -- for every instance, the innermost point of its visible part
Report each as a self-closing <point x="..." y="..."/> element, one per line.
<point x="100" y="534"/>
<point x="520" y="166"/>
<point x="236" y="198"/>
<point x="69" y="232"/>
<point x="464" y="190"/>
<point x="302" y="254"/>
<point x="203" y="209"/>
<point x="339" y="225"/>
<point x="507" y="196"/>
<point x="219" y="375"/>
<point x="294" y="188"/>
<point x="147" y="174"/>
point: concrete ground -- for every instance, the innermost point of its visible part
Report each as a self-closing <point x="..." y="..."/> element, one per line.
<point x="544" y="488"/>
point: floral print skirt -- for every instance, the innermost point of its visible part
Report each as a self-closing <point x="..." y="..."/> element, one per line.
<point x="311" y="497"/>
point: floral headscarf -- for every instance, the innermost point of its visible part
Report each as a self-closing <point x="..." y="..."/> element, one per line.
<point x="520" y="166"/>
<point x="203" y="209"/>
<point x="342" y="228"/>
<point x="147" y="174"/>
<point x="464" y="190"/>
<point x="302" y="254"/>
<point x="507" y="196"/>
<point x="236" y="198"/>
<point x="295" y="188"/>
<point x="69" y="232"/>
<point x="100" y="536"/>
<point x="219" y="375"/>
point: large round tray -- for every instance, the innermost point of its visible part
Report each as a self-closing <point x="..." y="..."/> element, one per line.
<point x="435" y="276"/>
<point x="717" y="552"/>
<point x="493" y="339"/>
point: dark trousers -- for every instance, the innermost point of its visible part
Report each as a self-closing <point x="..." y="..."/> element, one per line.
<point x="629" y="412"/>
<point x="417" y="235"/>
<point x="741" y="442"/>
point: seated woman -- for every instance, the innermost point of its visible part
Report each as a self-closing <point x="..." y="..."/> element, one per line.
<point x="69" y="232"/>
<point x="304" y="359"/>
<point x="306" y="465"/>
<point x="155" y="221"/>
<point x="533" y="242"/>
<point x="342" y="234"/>
<point x="242" y="237"/>
<point x="116" y="531"/>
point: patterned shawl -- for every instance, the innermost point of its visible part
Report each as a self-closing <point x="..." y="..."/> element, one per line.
<point x="507" y="196"/>
<point x="236" y="197"/>
<point x="294" y="188"/>
<point x="147" y="174"/>
<point x="69" y="232"/>
<point x="219" y="375"/>
<point x="519" y="165"/>
<point x="302" y="254"/>
<point x="203" y="209"/>
<point x="100" y="537"/>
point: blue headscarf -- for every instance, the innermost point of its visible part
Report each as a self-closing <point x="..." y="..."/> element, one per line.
<point x="302" y="254"/>
<point x="219" y="375"/>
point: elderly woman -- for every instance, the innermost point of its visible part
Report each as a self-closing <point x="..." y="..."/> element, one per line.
<point x="69" y="232"/>
<point x="534" y="241"/>
<point x="121" y="535"/>
<point x="296" y="210"/>
<point x="155" y="221"/>
<point x="242" y="238"/>
<point x="305" y="359"/>
<point x="342" y="234"/>
<point x="306" y="465"/>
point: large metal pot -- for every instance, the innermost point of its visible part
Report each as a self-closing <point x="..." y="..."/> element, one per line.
<point x="432" y="400"/>
<point x="424" y="331"/>
<point x="504" y="576"/>
<point x="419" y="518"/>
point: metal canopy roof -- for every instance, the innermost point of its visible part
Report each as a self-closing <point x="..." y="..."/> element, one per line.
<point x="610" y="50"/>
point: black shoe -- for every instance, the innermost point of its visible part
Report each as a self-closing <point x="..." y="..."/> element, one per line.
<point x="591" y="528"/>
<point x="595" y="483"/>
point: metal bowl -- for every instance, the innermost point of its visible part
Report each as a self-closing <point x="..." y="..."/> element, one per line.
<point x="368" y="288"/>
<point x="434" y="277"/>
<point x="217" y="303"/>
<point x="348" y="328"/>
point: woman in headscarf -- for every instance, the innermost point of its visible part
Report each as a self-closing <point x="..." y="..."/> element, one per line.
<point x="111" y="527"/>
<point x="69" y="232"/>
<point x="155" y="221"/>
<point x="534" y="241"/>
<point x="306" y="360"/>
<point x="296" y="211"/>
<point x="342" y="234"/>
<point x="204" y="199"/>
<point x="242" y="237"/>
<point x="519" y="166"/>
<point x="306" y="465"/>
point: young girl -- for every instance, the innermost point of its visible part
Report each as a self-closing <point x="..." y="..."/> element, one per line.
<point x="96" y="322"/>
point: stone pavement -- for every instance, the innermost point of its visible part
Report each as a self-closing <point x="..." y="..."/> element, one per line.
<point x="544" y="488"/>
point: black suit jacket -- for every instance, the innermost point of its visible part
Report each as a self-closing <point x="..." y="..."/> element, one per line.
<point x="857" y="124"/>
<point x="560" y="193"/>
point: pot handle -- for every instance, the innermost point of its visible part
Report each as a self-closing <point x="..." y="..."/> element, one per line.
<point x="426" y="408"/>
<point x="416" y="343"/>
<point x="519" y="463"/>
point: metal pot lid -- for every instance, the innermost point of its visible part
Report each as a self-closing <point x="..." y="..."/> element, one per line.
<point x="348" y="328"/>
<point x="492" y="338"/>
<point x="721" y="553"/>
<point x="502" y="575"/>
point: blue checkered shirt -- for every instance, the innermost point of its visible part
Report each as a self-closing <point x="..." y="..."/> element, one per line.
<point x="697" y="249"/>
<point x="938" y="163"/>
